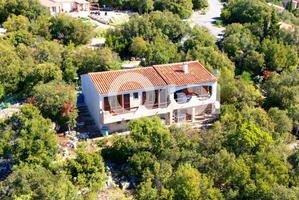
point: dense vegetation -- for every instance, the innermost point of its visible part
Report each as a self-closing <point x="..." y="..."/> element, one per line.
<point x="245" y="155"/>
<point x="182" y="8"/>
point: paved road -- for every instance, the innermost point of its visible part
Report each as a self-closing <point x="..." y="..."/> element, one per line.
<point x="208" y="19"/>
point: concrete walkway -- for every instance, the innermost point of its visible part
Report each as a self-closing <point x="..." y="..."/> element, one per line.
<point x="208" y="19"/>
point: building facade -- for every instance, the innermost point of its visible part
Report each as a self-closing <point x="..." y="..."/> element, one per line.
<point x="179" y="92"/>
<point x="61" y="6"/>
<point x="293" y="3"/>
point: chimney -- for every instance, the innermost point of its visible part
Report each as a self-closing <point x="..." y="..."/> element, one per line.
<point x="185" y="68"/>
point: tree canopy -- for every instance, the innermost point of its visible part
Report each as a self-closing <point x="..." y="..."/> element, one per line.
<point x="57" y="101"/>
<point x="28" y="137"/>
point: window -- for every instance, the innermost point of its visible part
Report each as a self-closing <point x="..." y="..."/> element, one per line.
<point x="115" y="102"/>
<point x="135" y="95"/>
<point x="106" y="104"/>
<point x="148" y="97"/>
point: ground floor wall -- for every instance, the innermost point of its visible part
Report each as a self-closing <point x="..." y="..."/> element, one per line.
<point x="189" y="115"/>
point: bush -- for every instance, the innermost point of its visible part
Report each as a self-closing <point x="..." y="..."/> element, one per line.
<point x="57" y="101"/>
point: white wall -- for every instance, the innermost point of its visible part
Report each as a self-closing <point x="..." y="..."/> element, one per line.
<point x="142" y="111"/>
<point x="67" y="7"/>
<point x="135" y="102"/>
<point x="91" y="99"/>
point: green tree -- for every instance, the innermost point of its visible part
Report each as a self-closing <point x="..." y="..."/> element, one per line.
<point x="87" y="170"/>
<point x="57" y="101"/>
<point x="48" y="51"/>
<point x="41" y="27"/>
<point x="200" y="4"/>
<point x="231" y="174"/>
<point x="146" y="191"/>
<point x="28" y="137"/>
<point x="283" y="124"/>
<point x="16" y="23"/>
<point x="238" y="41"/>
<point x="241" y="93"/>
<point x="68" y="64"/>
<point x="249" y="139"/>
<point x="282" y="192"/>
<point x="42" y="73"/>
<point x="279" y="56"/>
<point x="188" y="183"/>
<point x="152" y="28"/>
<point x="245" y="11"/>
<point x="253" y="62"/>
<point x="36" y="182"/>
<point x="2" y="92"/>
<point x="161" y="51"/>
<point x="142" y="6"/>
<point x="282" y="90"/>
<point x="183" y="8"/>
<point x="139" y="47"/>
<point x="102" y="59"/>
<point x="9" y="68"/>
<point x="29" y="8"/>
<point x="67" y="29"/>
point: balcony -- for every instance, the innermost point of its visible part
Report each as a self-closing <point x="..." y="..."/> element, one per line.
<point x="119" y="108"/>
<point x="184" y="96"/>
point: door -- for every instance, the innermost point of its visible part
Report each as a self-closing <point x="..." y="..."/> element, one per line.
<point x="127" y="101"/>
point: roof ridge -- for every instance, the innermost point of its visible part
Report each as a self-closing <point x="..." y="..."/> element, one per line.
<point x="169" y="64"/>
<point x="121" y="70"/>
<point x="159" y="74"/>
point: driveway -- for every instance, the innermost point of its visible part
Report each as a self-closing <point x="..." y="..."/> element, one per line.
<point x="208" y="19"/>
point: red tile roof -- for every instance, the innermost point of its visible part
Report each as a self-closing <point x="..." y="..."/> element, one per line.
<point x="173" y="74"/>
<point x="126" y="80"/>
<point x="150" y="77"/>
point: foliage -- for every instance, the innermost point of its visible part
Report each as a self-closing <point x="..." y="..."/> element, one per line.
<point x="245" y="11"/>
<point x="16" y="23"/>
<point x="241" y="93"/>
<point x="28" y="137"/>
<point x="68" y="29"/>
<point x="282" y="90"/>
<point x="152" y="28"/>
<point x="29" y="8"/>
<point x="183" y="8"/>
<point x="36" y="182"/>
<point x="278" y="56"/>
<point x="2" y="92"/>
<point x="48" y="51"/>
<point x="249" y="138"/>
<point x="142" y="6"/>
<point x="251" y="23"/>
<point x="10" y="68"/>
<point x="68" y="66"/>
<point x="200" y="4"/>
<point x="86" y="170"/>
<point x="188" y="183"/>
<point x="235" y="157"/>
<point x="283" y="123"/>
<point x="102" y="59"/>
<point x="57" y="101"/>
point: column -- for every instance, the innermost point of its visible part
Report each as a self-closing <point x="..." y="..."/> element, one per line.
<point x="193" y="114"/>
<point x="170" y="117"/>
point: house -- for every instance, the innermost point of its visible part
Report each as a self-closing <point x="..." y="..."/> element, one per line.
<point x="294" y="3"/>
<point x="60" y="6"/>
<point x="176" y="93"/>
